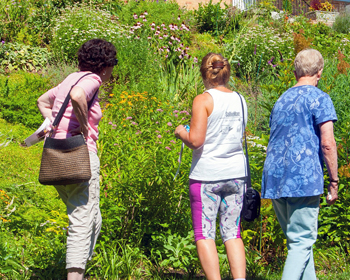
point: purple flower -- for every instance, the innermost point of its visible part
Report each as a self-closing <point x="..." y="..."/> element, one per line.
<point x="114" y="125"/>
<point x="134" y="123"/>
<point x="270" y="61"/>
<point x="167" y="148"/>
<point x="173" y="141"/>
<point x="175" y="111"/>
<point x="157" y="131"/>
<point x="195" y="60"/>
<point x="135" y="16"/>
<point x="138" y="132"/>
<point x="2" y="42"/>
<point x="128" y="118"/>
<point x="169" y="124"/>
<point x="176" y="115"/>
<point x="159" y="136"/>
<point x="110" y="123"/>
<point x="160" y="110"/>
<point x="238" y="64"/>
<point x="115" y="144"/>
<point x="157" y="122"/>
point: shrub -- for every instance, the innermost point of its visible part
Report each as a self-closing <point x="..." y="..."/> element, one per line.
<point x="15" y="56"/>
<point x="214" y="19"/>
<point x="159" y="12"/>
<point x="139" y="159"/>
<point x="342" y="23"/>
<point x="18" y="95"/>
<point x="78" y="24"/>
<point x="257" y="49"/>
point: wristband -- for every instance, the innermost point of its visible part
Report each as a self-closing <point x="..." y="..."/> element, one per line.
<point x="334" y="181"/>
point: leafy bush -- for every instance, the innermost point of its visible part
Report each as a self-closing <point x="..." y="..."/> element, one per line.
<point x="139" y="159"/>
<point x="15" y="56"/>
<point x="216" y="20"/>
<point x="259" y="49"/>
<point x="78" y="24"/>
<point x="342" y="23"/>
<point x="159" y="12"/>
<point x="18" y="97"/>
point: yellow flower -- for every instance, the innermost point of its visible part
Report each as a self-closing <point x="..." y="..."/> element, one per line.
<point x="129" y="102"/>
<point x="111" y="95"/>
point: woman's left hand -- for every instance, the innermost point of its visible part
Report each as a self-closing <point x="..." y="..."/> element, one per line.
<point x="178" y="130"/>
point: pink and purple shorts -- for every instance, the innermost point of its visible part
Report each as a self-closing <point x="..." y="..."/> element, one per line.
<point x="209" y="198"/>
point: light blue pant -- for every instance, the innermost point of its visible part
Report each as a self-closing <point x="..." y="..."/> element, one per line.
<point x="298" y="219"/>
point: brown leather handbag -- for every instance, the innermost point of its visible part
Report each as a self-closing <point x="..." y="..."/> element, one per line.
<point x="65" y="161"/>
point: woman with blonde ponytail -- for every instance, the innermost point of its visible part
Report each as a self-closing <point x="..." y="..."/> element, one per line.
<point x="218" y="173"/>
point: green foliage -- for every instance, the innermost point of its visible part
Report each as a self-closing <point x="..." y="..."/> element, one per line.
<point x="342" y="23"/>
<point x="139" y="159"/>
<point x="78" y="24"/>
<point x="177" y="252"/>
<point x="159" y="12"/>
<point x="258" y="51"/>
<point x="216" y="20"/>
<point x="18" y="97"/>
<point x="119" y="261"/>
<point x="16" y="56"/>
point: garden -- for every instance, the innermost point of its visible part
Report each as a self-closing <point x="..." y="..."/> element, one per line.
<point x="147" y="231"/>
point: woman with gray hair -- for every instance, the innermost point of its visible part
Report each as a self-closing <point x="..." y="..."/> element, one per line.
<point x="301" y="139"/>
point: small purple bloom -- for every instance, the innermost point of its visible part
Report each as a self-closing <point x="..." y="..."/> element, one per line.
<point x="2" y="42"/>
<point x="128" y="118"/>
<point x="110" y="123"/>
<point x="169" y="124"/>
<point x="175" y="111"/>
<point x="167" y="148"/>
<point x="134" y="123"/>
<point x="173" y="141"/>
<point x="159" y="136"/>
<point x="238" y="64"/>
<point x="160" y="110"/>
<point x="157" y="122"/>
<point x="176" y="115"/>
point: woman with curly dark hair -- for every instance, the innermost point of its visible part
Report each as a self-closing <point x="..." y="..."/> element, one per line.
<point x="96" y="58"/>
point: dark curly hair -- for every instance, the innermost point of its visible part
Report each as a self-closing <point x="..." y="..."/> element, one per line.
<point x="95" y="55"/>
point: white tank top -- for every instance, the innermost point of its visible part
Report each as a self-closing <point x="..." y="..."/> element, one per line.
<point x="221" y="157"/>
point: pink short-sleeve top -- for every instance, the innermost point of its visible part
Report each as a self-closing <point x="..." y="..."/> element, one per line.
<point x="90" y="84"/>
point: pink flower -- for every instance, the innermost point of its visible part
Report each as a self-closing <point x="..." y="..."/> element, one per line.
<point x="135" y="16"/>
<point x="128" y="118"/>
<point x="175" y="111"/>
<point x="159" y="136"/>
<point x="134" y="123"/>
<point x="149" y="37"/>
<point x="176" y="115"/>
<point x="114" y="125"/>
<point x="153" y="24"/>
<point x="162" y="25"/>
<point x="160" y="110"/>
<point x="169" y="124"/>
<point x="157" y="131"/>
<point x="110" y="123"/>
<point x="157" y="122"/>
<point x="173" y="141"/>
<point x="167" y="148"/>
<point x="145" y="13"/>
<point x="144" y="19"/>
<point x="138" y="132"/>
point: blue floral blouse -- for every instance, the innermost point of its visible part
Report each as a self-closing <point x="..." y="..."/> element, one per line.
<point x="294" y="161"/>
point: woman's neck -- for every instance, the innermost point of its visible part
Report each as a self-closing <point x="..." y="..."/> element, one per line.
<point x="307" y="81"/>
<point x="222" y="88"/>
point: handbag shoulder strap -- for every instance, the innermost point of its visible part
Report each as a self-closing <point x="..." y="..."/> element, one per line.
<point x="65" y="103"/>
<point x="249" y="180"/>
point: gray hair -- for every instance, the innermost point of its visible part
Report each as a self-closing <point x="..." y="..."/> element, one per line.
<point x="308" y="62"/>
